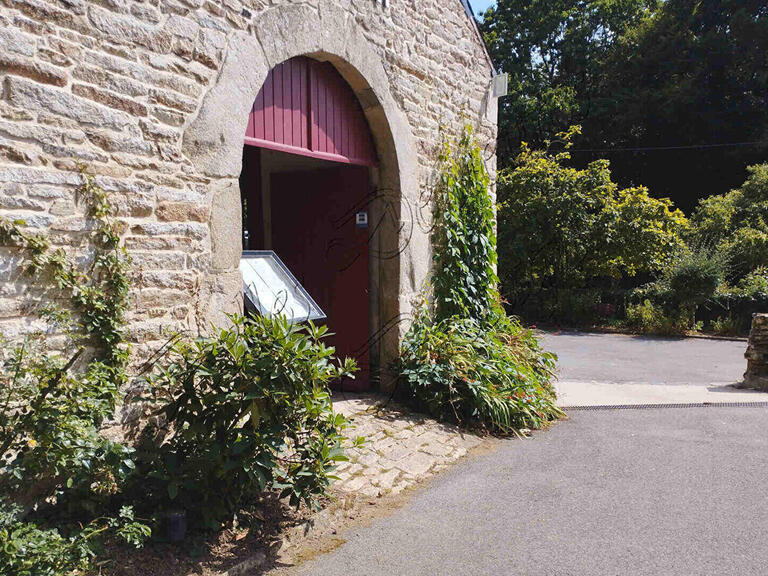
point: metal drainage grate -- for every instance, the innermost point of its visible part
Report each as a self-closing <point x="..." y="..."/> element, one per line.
<point x="656" y="406"/>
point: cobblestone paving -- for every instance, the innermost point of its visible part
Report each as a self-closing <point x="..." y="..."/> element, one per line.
<point x="401" y="448"/>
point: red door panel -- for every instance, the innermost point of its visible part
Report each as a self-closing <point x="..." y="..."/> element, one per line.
<point x="315" y="233"/>
<point x="306" y="107"/>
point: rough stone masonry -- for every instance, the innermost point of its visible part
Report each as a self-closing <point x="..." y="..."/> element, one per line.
<point x="153" y="96"/>
<point x="756" y="375"/>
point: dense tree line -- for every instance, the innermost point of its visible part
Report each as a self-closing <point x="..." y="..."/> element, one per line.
<point x="674" y="93"/>
<point x="576" y="248"/>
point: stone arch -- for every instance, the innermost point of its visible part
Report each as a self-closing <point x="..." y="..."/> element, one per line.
<point x="213" y="143"/>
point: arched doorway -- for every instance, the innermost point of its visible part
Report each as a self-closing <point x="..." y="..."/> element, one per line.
<point x="307" y="189"/>
<point x="213" y="144"/>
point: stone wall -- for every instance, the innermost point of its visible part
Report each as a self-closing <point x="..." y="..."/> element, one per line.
<point x="756" y="375"/>
<point x="129" y="88"/>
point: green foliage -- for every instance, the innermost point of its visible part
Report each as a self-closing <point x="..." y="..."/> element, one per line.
<point x="636" y="74"/>
<point x="468" y="372"/>
<point x="747" y="249"/>
<point x="464" y="255"/>
<point x="712" y="220"/>
<point x="568" y="242"/>
<point x="31" y="551"/>
<point x="646" y="230"/>
<point x="693" y="277"/>
<point x="564" y="228"/>
<point x="462" y="359"/>
<point x="689" y="73"/>
<point x="552" y="51"/>
<point x="755" y="284"/>
<point x="575" y="305"/>
<point x="50" y="428"/>
<point x="97" y="294"/>
<point x="244" y="410"/>
<point x="55" y="464"/>
<point x="725" y="326"/>
<point x="657" y="86"/>
<point x="651" y="318"/>
<point x="737" y="222"/>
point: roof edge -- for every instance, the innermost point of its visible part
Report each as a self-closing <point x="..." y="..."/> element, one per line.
<point x="471" y="15"/>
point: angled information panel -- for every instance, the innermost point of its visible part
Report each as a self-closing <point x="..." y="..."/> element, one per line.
<point x="270" y="288"/>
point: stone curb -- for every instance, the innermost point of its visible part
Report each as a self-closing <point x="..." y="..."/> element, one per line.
<point x="714" y="337"/>
<point x="249" y="563"/>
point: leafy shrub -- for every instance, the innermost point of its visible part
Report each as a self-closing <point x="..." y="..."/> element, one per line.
<point x="462" y="359"/>
<point x="755" y="284"/>
<point x="59" y="477"/>
<point x="647" y="231"/>
<point x="573" y="305"/>
<point x="732" y="308"/>
<point x="563" y="228"/>
<point x="737" y="222"/>
<point x="712" y="220"/>
<point x="51" y="440"/>
<point x="28" y="550"/>
<point x="651" y="318"/>
<point x="669" y="304"/>
<point x="725" y="326"/>
<point x="468" y="372"/>
<point x="694" y="275"/>
<point x="746" y="250"/>
<point x="719" y="217"/>
<point x="244" y="410"/>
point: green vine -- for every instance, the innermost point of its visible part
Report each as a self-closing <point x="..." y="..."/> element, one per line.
<point x="98" y="295"/>
<point x="463" y="239"/>
<point x="58" y="474"/>
<point x="463" y="359"/>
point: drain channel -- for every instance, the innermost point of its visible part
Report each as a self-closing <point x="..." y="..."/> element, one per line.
<point x="657" y="406"/>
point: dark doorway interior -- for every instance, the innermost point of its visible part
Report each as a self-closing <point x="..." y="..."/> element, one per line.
<point x="310" y="212"/>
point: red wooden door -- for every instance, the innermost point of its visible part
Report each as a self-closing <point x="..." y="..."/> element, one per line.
<point x="314" y="231"/>
<point x="306" y="107"/>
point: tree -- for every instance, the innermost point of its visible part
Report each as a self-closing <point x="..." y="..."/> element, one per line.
<point x="563" y="228"/>
<point x="736" y="223"/>
<point x="553" y="52"/>
<point x="692" y="73"/>
<point x="651" y="82"/>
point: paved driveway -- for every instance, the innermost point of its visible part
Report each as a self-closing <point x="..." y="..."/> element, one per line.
<point x="622" y="359"/>
<point x="657" y="492"/>
<point x="660" y="492"/>
<point x="600" y="369"/>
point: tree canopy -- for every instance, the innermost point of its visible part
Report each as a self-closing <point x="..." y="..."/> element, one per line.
<point x="560" y="227"/>
<point x="673" y="92"/>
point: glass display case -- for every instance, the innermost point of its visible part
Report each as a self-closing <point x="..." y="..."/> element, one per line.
<point x="270" y="288"/>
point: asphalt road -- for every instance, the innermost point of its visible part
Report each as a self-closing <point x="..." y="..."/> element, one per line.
<point x="624" y="359"/>
<point x="660" y="492"/>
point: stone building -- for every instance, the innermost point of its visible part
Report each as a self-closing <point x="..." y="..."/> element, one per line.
<point x="158" y="99"/>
